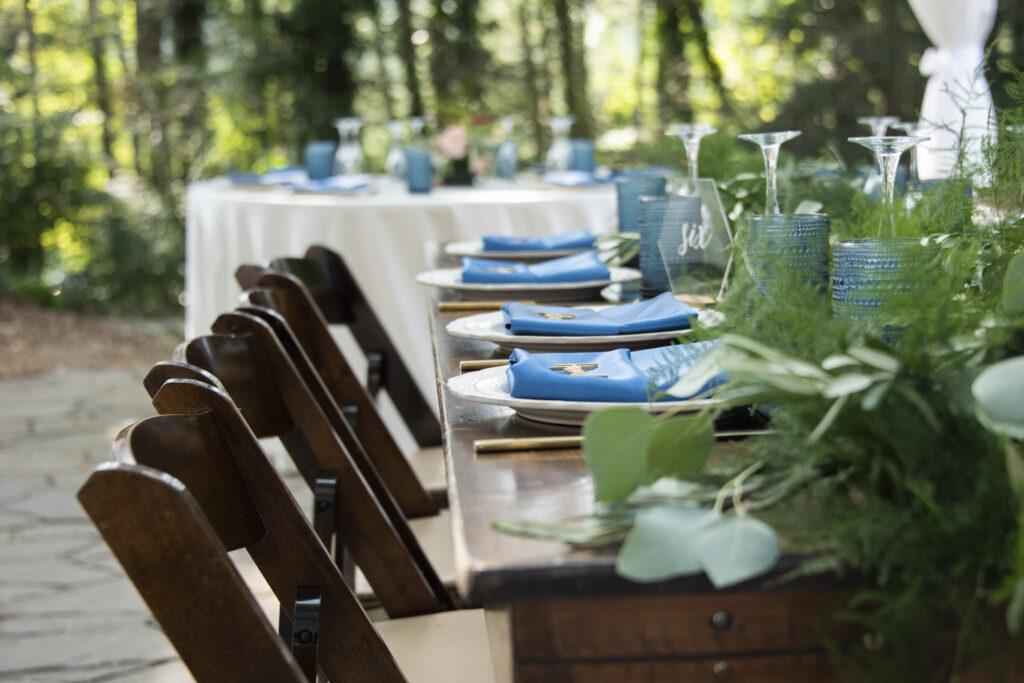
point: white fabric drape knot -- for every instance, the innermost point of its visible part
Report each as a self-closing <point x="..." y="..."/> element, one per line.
<point x="957" y="101"/>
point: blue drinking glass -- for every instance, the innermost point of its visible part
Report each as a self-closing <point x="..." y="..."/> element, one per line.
<point x="420" y="170"/>
<point x="582" y="157"/>
<point x="670" y="244"/>
<point x="796" y="242"/>
<point x="319" y="158"/>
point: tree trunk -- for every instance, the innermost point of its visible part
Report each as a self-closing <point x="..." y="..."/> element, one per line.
<point x="255" y="78"/>
<point x="407" y="53"/>
<point x="574" y="91"/>
<point x="151" y="98"/>
<point x="673" y="72"/>
<point x="97" y="33"/>
<point x="131" y="103"/>
<point x="530" y="73"/>
<point x="33" y="68"/>
<point x="641" y="86"/>
<point x="700" y="33"/>
<point x="382" y="66"/>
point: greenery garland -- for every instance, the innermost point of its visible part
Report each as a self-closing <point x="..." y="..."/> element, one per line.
<point x="894" y="458"/>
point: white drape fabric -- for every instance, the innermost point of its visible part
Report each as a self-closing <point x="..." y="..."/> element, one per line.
<point x="957" y="100"/>
<point x="382" y="238"/>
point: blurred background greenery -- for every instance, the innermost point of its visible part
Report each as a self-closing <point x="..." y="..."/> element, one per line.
<point x="110" y="108"/>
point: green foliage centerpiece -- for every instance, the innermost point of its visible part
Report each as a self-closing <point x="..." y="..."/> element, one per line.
<point x="893" y="460"/>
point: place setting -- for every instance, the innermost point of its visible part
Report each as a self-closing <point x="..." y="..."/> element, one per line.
<point x="576" y="277"/>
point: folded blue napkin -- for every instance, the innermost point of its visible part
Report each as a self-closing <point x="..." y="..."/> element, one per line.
<point x="577" y="239"/>
<point x="291" y="175"/>
<point x="344" y="182"/>
<point x="631" y="376"/>
<point x="576" y="268"/>
<point x="663" y="312"/>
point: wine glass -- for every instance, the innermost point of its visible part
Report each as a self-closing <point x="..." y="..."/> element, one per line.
<point x="349" y="157"/>
<point x="691" y="134"/>
<point x="913" y="129"/>
<point x="887" y="151"/>
<point x="878" y="124"/>
<point x="560" y="154"/>
<point x="395" y="163"/>
<point x="769" y="144"/>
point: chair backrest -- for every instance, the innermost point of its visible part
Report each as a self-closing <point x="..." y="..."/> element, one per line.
<point x="181" y="569"/>
<point x="340" y="299"/>
<point x="275" y="401"/>
<point x="283" y="302"/>
<point x="202" y="440"/>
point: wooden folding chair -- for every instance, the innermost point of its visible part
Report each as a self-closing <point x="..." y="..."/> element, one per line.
<point x="202" y="440"/>
<point x="276" y="401"/>
<point x="287" y="296"/>
<point x="181" y="569"/>
<point x="342" y="302"/>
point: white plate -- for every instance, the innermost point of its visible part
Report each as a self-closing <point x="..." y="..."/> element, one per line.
<point x="475" y="248"/>
<point x="491" y="327"/>
<point x="490" y="386"/>
<point x="451" y="278"/>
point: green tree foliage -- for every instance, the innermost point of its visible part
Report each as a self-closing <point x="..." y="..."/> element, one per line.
<point x="859" y="59"/>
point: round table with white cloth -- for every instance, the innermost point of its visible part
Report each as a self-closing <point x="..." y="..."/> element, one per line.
<point x="381" y="237"/>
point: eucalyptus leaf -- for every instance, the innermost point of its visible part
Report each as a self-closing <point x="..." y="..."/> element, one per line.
<point x="660" y="545"/>
<point x="837" y="361"/>
<point x="736" y="548"/>
<point x="1015" y="610"/>
<point x="614" y="445"/>
<point x="874" y="395"/>
<point x="999" y="394"/>
<point x="846" y="384"/>
<point x="709" y="366"/>
<point x="875" y="358"/>
<point x="680" y="447"/>
<point x="1015" y="467"/>
<point x="1013" y="285"/>
<point x="808" y="206"/>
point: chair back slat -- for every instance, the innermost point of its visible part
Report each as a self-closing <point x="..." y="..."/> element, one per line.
<point x="289" y="554"/>
<point x="366" y="516"/>
<point x="231" y="360"/>
<point x="162" y="539"/>
<point x="295" y="316"/>
<point x="186" y="447"/>
<point x="341" y="300"/>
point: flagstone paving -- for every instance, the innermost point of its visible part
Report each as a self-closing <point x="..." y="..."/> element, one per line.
<point x="67" y="612"/>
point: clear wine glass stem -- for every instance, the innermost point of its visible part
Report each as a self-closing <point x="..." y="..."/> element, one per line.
<point x="692" y="152"/>
<point x="887" y="165"/>
<point x="771" y="171"/>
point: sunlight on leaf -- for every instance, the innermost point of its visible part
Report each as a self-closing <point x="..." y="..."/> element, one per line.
<point x="875" y="358"/>
<point x="849" y="383"/>
<point x="660" y="546"/>
<point x="734" y="549"/>
<point x="614" y="445"/>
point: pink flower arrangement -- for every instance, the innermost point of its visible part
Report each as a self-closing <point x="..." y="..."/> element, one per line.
<point x="453" y="141"/>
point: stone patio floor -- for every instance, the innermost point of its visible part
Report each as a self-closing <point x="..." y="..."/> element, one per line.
<point x="67" y="611"/>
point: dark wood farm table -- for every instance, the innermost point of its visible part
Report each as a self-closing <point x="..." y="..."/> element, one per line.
<point x="559" y="614"/>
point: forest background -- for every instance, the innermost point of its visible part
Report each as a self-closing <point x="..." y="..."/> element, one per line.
<point x="110" y="108"/>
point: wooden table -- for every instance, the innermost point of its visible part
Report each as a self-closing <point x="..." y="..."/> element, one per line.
<point x="558" y="614"/>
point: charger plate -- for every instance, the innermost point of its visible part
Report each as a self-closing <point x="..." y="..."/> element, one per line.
<point x="490" y="386"/>
<point x="588" y="290"/>
<point x="475" y="248"/>
<point x="490" y="327"/>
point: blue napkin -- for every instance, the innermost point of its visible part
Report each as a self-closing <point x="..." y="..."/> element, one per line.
<point x="577" y="239"/>
<point x="663" y="312"/>
<point x="632" y="376"/>
<point x="576" y="268"/>
<point x="344" y="182"/>
<point x="291" y="175"/>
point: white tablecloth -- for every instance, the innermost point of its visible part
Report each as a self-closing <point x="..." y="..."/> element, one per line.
<point x="381" y="237"/>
